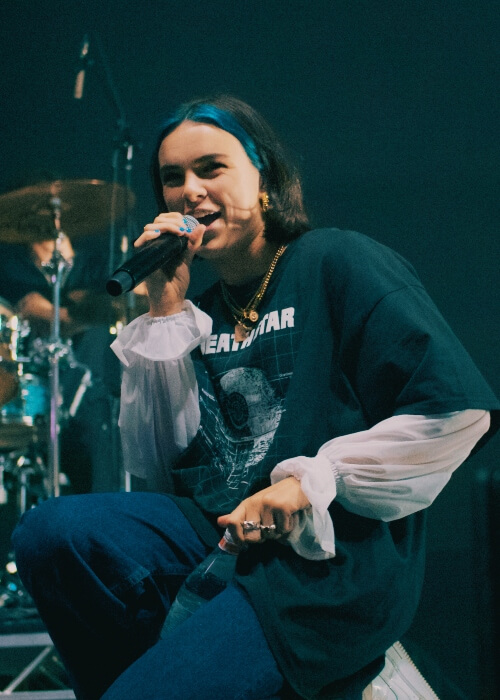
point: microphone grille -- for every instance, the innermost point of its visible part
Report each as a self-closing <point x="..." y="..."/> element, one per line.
<point x="191" y="221"/>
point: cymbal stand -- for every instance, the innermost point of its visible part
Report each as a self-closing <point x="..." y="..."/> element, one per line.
<point x="56" y="271"/>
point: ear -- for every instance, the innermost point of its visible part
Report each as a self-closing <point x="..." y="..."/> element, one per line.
<point x="262" y="183"/>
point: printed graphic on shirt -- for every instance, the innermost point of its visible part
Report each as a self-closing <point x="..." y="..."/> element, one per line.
<point x="241" y="424"/>
<point x="241" y="406"/>
<point x="269" y="323"/>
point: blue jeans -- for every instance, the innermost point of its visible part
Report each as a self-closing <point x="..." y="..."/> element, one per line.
<point x="103" y="570"/>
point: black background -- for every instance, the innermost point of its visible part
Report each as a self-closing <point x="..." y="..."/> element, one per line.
<point x="390" y="110"/>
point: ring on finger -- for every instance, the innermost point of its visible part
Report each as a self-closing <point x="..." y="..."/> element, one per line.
<point x="267" y="529"/>
<point x="250" y="526"/>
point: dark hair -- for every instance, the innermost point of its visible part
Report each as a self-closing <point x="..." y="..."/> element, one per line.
<point x="286" y="218"/>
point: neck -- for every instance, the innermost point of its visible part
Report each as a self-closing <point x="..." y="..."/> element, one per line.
<point x="243" y="267"/>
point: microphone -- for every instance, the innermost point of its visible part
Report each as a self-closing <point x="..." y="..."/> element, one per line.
<point x="160" y="252"/>
<point x="80" y="76"/>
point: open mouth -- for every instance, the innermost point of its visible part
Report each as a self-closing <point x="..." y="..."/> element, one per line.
<point x="208" y="218"/>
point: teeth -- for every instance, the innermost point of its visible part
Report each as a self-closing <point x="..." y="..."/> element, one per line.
<point x="200" y="214"/>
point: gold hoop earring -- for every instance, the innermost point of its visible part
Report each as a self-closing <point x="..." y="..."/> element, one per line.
<point x="265" y="202"/>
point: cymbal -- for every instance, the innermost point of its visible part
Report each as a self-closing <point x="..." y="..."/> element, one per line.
<point x="27" y="215"/>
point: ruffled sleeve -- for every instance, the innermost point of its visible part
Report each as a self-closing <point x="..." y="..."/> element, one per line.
<point x="159" y="410"/>
<point x="392" y="470"/>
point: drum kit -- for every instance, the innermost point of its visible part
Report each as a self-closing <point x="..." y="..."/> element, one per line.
<point x="32" y="408"/>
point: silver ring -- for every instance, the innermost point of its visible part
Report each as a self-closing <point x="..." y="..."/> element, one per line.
<point x="250" y="526"/>
<point x="267" y="528"/>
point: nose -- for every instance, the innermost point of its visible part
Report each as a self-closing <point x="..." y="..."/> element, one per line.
<point x="194" y="189"/>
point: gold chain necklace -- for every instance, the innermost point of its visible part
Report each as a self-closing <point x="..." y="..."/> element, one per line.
<point x="246" y="317"/>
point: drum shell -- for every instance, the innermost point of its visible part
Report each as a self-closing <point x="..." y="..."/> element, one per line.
<point x="30" y="402"/>
<point x="14" y="339"/>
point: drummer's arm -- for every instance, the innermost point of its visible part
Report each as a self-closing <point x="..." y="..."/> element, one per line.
<point x="82" y="310"/>
<point x="35" y="308"/>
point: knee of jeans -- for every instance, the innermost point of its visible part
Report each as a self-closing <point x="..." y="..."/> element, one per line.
<point x="41" y="531"/>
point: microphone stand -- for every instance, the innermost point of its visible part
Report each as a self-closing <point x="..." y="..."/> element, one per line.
<point x="123" y="145"/>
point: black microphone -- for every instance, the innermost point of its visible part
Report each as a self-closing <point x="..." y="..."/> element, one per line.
<point x="80" y="76"/>
<point x="160" y="252"/>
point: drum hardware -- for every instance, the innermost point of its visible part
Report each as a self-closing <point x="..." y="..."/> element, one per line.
<point x="24" y="477"/>
<point x="41" y="352"/>
<point x="23" y="474"/>
<point x="31" y="477"/>
<point x="19" y="331"/>
<point x="55" y="349"/>
<point x="14" y="598"/>
<point x="56" y="271"/>
<point x="24" y="470"/>
<point x="85" y="383"/>
<point x="3" y="490"/>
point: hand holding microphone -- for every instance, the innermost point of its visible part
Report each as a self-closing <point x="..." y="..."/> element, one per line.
<point x="163" y="251"/>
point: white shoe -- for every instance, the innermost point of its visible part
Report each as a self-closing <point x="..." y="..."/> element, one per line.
<point x="400" y="679"/>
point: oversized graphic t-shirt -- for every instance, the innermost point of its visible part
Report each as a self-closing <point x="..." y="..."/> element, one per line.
<point x="346" y="338"/>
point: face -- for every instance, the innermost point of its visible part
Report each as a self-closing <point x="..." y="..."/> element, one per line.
<point x="206" y="172"/>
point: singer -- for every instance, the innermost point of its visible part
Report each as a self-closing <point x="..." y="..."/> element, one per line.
<point x="313" y="402"/>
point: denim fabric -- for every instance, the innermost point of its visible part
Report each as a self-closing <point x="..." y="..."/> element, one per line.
<point x="103" y="569"/>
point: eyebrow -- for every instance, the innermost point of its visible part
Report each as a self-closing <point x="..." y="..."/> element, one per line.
<point x="198" y="161"/>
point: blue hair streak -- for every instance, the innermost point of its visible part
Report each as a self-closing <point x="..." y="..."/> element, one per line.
<point x="208" y="114"/>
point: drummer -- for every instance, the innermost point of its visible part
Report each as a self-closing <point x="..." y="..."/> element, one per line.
<point x="26" y="288"/>
<point x="85" y="316"/>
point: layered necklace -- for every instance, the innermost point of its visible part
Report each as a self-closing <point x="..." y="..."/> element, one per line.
<point x="246" y="317"/>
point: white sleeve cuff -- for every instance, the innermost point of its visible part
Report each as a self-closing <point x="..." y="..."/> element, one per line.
<point x="163" y="338"/>
<point x="313" y="537"/>
<point x="395" y="468"/>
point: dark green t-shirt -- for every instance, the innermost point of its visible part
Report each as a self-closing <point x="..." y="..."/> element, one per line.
<point x="346" y="337"/>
